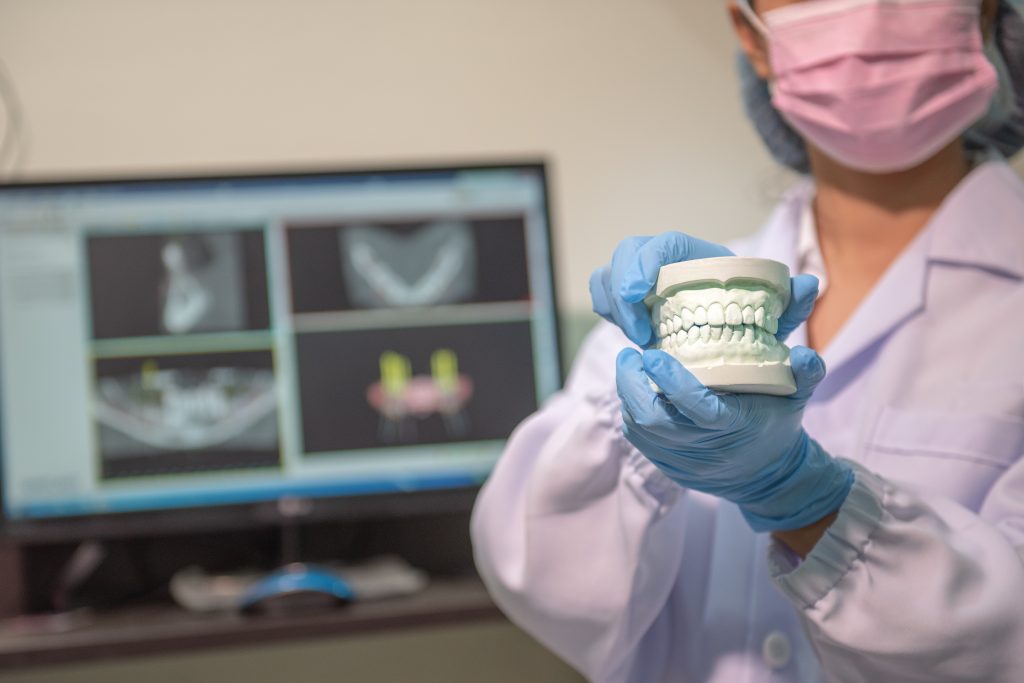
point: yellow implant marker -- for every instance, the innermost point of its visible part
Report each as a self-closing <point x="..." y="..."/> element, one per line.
<point x="395" y="371"/>
<point x="444" y="367"/>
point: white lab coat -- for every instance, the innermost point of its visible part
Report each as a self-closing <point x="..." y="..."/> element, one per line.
<point x="587" y="546"/>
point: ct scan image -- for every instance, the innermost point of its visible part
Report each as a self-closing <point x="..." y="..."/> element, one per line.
<point x="177" y="283"/>
<point x="346" y="266"/>
<point x="420" y="385"/>
<point x="430" y="265"/>
<point x="186" y="413"/>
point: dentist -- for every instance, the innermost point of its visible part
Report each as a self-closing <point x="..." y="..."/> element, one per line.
<point x="871" y="526"/>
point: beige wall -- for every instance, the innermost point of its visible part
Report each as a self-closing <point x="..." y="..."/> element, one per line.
<point x="633" y="101"/>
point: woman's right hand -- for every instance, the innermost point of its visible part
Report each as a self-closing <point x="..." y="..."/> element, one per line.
<point x="618" y="289"/>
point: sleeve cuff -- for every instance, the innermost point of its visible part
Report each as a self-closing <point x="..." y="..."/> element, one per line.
<point x="842" y="546"/>
<point x="639" y="473"/>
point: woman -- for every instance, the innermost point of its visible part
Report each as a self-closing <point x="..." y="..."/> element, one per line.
<point x="870" y="527"/>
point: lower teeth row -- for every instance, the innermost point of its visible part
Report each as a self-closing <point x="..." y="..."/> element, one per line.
<point x="727" y="333"/>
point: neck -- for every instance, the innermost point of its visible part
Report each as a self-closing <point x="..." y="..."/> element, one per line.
<point x="865" y="220"/>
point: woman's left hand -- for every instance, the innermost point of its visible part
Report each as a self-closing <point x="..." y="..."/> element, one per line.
<point x="748" y="448"/>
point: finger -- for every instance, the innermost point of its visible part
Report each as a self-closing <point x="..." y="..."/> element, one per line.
<point x="632" y="316"/>
<point x="804" y="292"/>
<point x="808" y="371"/>
<point x="638" y="398"/>
<point x="599" y="294"/>
<point x="618" y="312"/>
<point x="643" y="409"/>
<point x="691" y="398"/>
<point x="641" y="275"/>
<point x="635" y="321"/>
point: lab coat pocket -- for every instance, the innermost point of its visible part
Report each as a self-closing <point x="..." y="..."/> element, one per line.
<point x="958" y="455"/>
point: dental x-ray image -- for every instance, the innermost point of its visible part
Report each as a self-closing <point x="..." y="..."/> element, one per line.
<point x="200" y="288"/>
<point x="418" y="385"/>
<point x="186" y="413"/>
<point x="177" y="283"/>
<point x="396" y="265"/>
<point x="434" y="264"/>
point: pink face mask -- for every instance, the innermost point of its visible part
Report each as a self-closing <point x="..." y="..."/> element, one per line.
<point x="878" y="85"/>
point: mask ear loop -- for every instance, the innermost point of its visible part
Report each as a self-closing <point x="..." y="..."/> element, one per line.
<point x="752" y="17"/>
<point x="755" y="21"/>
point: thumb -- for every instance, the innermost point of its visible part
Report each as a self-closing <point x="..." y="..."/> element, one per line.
<point x="691" y="398"/>
<point x="808" y="371"/>
<point x="804" y="290"/>
<point x="670" y="247"/>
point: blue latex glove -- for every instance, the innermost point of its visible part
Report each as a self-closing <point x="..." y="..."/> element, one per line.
<point x="747" y="448"/>
<point x="618" y="290"/>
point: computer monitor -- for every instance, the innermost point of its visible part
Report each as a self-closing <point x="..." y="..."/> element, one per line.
<point x="190" y="352"/>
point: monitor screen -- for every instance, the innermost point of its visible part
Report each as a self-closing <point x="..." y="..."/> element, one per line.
<point x="181" y="343"/>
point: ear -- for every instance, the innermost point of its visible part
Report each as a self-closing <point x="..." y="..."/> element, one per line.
<point x="752" y="42"/>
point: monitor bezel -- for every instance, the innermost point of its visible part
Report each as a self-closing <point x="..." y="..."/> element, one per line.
<point x="284" y="510"/>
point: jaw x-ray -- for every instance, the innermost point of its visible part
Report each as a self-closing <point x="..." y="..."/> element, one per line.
<point x="428" y="266"/>
<point x="202" y="287"/>
<point x="181" y="409"/>
<point x="153" y="414"/>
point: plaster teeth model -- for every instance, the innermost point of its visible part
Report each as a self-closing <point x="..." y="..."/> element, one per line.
<point x="719" y="317"/>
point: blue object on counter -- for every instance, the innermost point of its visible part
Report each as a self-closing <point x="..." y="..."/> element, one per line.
<point x="296" y="580"/>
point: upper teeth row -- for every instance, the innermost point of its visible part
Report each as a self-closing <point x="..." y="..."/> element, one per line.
<point x="718" y="315"/>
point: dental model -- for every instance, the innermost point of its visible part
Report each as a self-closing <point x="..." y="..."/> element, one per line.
<point x="719" y="316"/>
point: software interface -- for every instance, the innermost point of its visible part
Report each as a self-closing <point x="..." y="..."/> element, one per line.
<point x="189" y="343"/>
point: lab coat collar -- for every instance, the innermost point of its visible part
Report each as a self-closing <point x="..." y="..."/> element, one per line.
<point x="978" y="225"/>
<point x="981" y="223"/>
<point x="898" y="296"/>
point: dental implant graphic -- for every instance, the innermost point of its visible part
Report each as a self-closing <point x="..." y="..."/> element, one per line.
<point x="719" y="316"/>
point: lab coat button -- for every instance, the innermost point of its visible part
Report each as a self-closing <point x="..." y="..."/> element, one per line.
<point x="776" y="650"/>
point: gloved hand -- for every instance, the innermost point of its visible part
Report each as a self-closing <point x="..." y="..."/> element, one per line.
<point x="618" y="290"/>
<point x="747" y="448"/>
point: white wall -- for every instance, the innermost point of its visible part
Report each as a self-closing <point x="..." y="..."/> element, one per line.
<point x="633" y="101"/>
